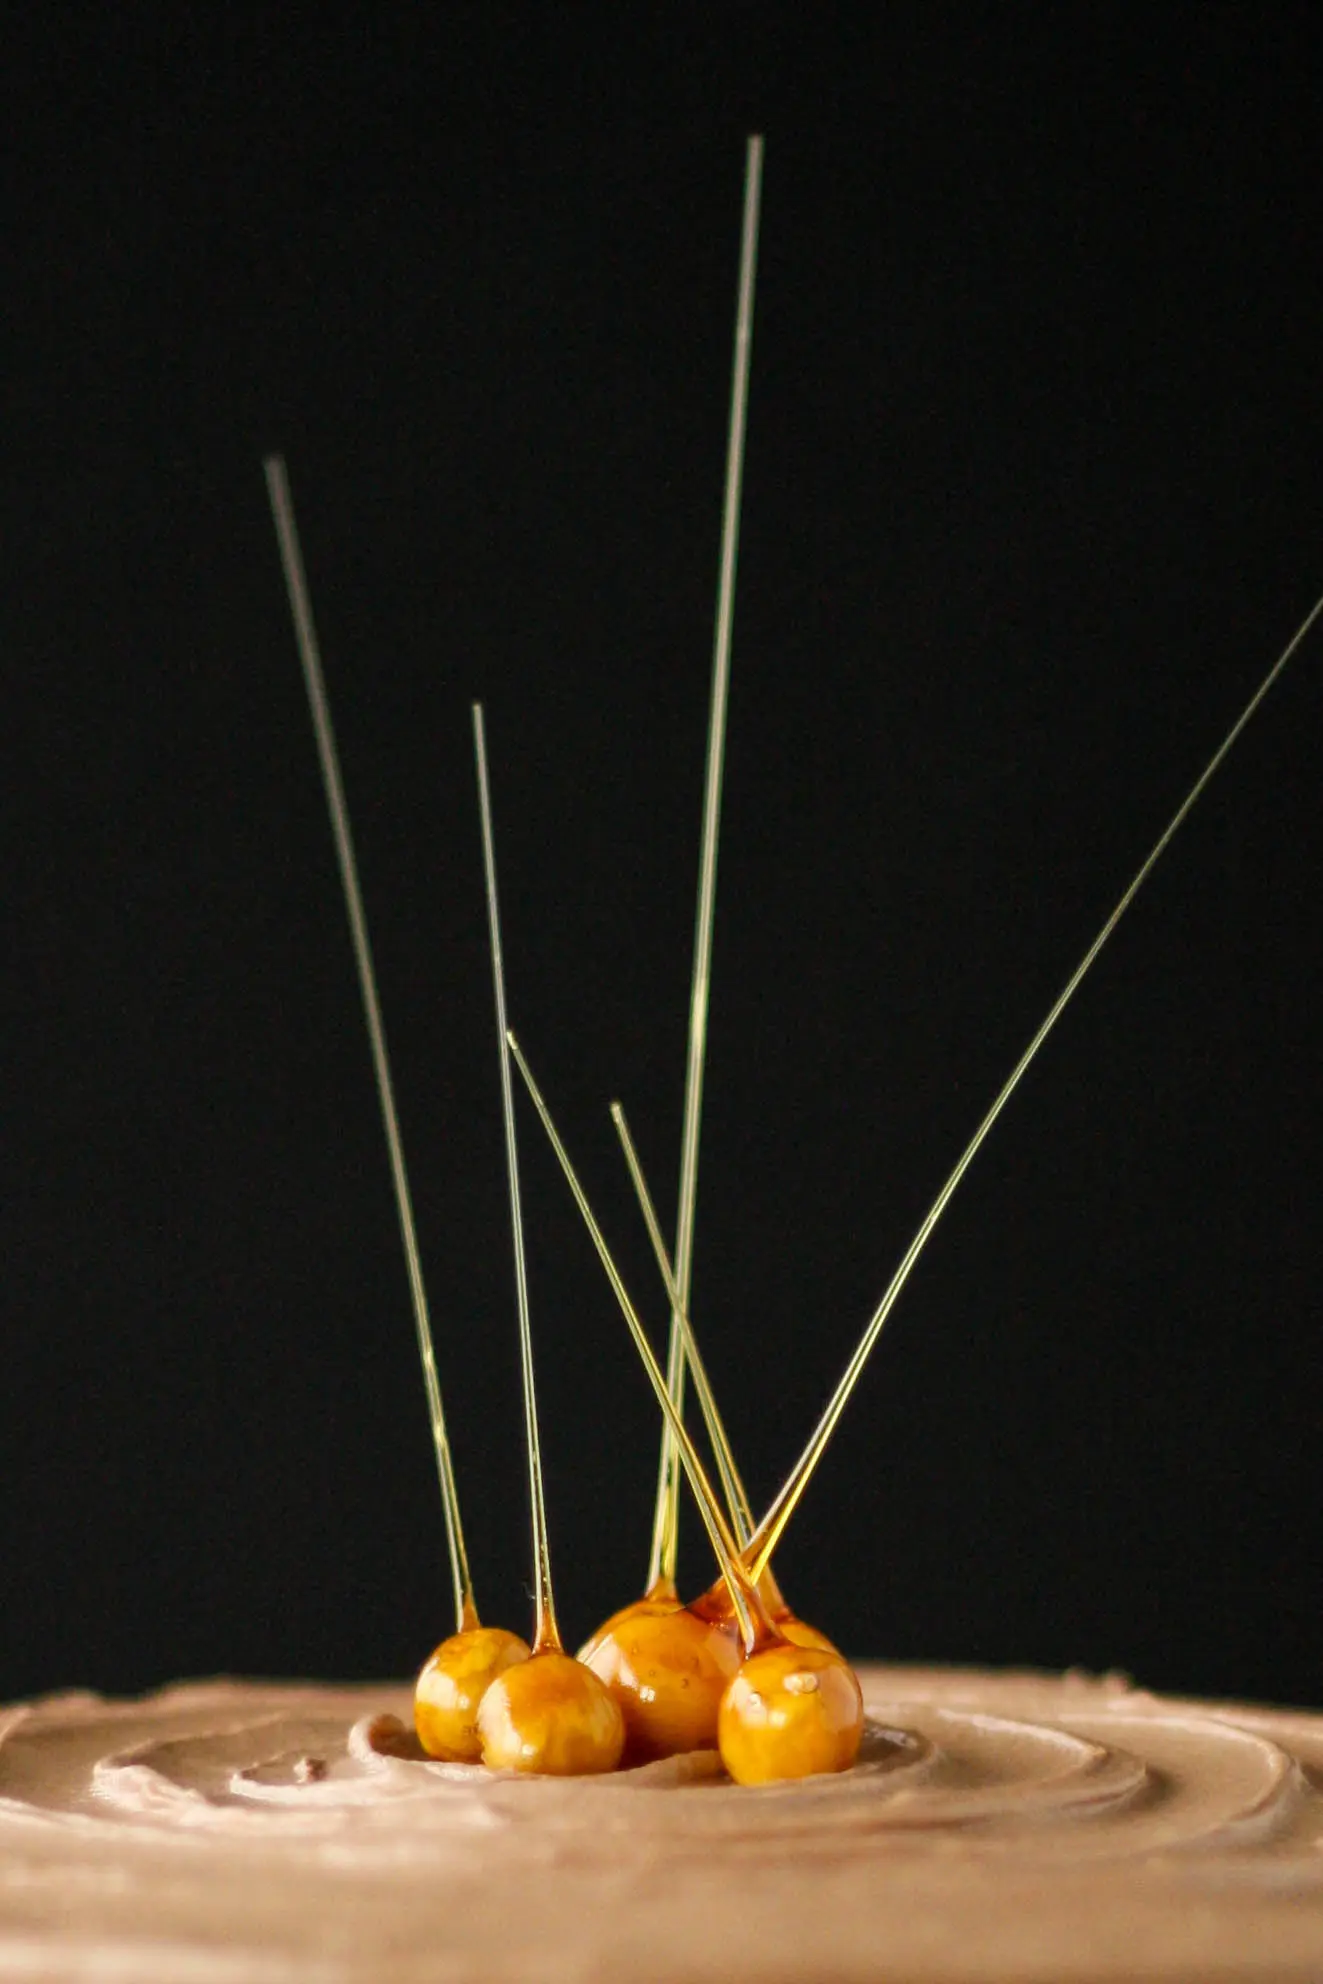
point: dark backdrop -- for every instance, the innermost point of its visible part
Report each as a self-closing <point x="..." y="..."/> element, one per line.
<point x="1034" y="496"/>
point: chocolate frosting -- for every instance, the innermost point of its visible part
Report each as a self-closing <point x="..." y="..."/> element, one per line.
<point x="996" y="1827"/>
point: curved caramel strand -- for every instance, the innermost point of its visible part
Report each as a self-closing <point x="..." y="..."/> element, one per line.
<point x="755" y="1627"/>
<point x="296" y="585"/>
<point x="546" y="1634"/>
<point x="768" y="1533"/>
<point x="665" y="1531"/>
<point x="548" y="1714"/>
<point x="737" y="1500"/>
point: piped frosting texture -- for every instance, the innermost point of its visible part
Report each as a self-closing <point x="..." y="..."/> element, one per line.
<point x="995" y="1826"/>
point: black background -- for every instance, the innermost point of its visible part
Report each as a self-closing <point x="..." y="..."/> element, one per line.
<point x="1034" y="496"/>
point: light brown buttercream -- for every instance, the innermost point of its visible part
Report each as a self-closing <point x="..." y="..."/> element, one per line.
<point x="996" y="1827"/>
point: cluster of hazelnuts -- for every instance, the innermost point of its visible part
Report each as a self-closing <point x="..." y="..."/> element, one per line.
<point x="658" y="1679"/>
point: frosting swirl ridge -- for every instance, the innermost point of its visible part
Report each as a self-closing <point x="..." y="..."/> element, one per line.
<point x="1055" y="1827"/>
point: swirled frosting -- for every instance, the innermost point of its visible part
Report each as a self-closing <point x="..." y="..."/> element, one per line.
<point x="996" y="1826"/>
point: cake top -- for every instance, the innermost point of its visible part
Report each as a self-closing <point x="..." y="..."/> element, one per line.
<point x="996" y="1826"/>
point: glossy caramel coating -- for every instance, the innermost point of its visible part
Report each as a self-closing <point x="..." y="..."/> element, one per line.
<point x="667" y="1668"/>
<point x="791" y="1711"/>
<point x="550" y="1714"/>
<point x="715" y="1603"/>
<point x="800" y="1633"/>
<point x="655" y="1604"/>
<point x="452" y="1684"/>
